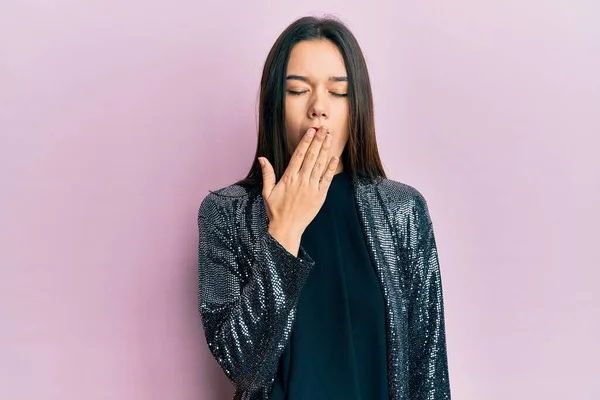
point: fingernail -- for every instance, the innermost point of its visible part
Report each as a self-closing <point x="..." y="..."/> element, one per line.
<point x="261" y="162"/>
<point x="310" y="132"/>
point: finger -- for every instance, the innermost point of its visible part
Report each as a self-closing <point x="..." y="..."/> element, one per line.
<point x="298" y="156"/>
<point x="268" y="175"/>
<point x="328" y="176"/>
<point x="321" y="162"/>
<point x="313" y="152"/>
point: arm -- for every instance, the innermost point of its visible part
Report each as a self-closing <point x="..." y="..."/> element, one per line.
<point x="246" y="320"/>
<point x="428" y="363"/>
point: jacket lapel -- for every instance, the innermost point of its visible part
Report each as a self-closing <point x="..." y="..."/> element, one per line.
<point x="382" y="243"/>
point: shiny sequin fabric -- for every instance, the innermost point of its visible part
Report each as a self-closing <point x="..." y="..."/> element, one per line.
<point x="249" y="286"/>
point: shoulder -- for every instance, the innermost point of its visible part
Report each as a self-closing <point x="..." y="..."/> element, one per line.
<point x="401" y="196"/>
<point x="224" y="200"/>
<point x="406" y="205"/>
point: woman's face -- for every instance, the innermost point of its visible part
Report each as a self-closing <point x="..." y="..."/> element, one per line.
<point x="316" y="93"/>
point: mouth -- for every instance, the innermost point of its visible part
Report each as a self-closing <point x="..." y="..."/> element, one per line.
<point x="316" y="128"/>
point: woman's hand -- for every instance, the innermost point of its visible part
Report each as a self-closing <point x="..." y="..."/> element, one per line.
<point x="294" y="201"/>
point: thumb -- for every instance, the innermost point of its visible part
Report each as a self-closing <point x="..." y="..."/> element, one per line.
<point x="268" y="175"/>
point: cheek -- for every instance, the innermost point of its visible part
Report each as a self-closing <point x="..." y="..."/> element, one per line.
<point x="292" y="131"/>
<point x="293" y="140"/>
<point x="295" y="120"/>
<point x="343" y="124"/>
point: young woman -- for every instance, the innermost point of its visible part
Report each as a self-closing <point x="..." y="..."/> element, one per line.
<point x="318" y="276"/>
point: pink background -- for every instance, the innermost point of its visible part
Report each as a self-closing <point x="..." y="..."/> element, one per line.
<point x="117" y="117"/>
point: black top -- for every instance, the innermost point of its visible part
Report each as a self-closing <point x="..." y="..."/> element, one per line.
<point x="337" y="347"/>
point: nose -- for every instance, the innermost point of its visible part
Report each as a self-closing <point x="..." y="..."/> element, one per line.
<point x="318" y="113"/>
<point x="319" y="107"/>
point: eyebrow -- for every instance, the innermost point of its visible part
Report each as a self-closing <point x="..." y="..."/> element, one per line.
<point x="305" y="79"/>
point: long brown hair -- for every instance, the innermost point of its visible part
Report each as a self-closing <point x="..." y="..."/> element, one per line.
<point x="360" y="156"/>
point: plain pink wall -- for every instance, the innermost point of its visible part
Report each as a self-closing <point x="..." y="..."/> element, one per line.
<point x="117" y="117"/>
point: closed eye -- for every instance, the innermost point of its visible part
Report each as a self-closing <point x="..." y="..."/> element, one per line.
<point x="297" y="93"/>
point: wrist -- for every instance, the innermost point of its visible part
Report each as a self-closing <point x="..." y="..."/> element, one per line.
<point x="289" y="238"/>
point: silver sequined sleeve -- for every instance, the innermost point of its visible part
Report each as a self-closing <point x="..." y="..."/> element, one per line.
<point x="247" y="297"/>
<point x="428" y="364"/>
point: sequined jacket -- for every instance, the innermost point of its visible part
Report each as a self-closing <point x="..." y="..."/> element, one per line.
<point x="249" y="286"/>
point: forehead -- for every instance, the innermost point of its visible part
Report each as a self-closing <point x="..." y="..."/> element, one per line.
<point x="317" y="59"/>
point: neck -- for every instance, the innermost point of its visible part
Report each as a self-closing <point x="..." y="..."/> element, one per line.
<point x="340" y="168"/>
